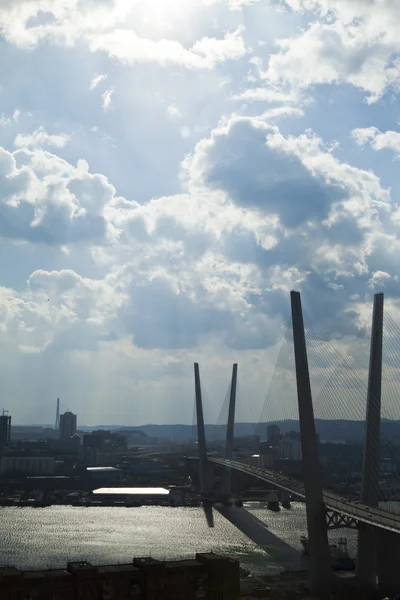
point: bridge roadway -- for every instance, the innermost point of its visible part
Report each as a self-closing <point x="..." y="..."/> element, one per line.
<point x="355" y="510"/>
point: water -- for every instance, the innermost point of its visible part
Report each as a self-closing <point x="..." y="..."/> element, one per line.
<point x="49" y="537"/>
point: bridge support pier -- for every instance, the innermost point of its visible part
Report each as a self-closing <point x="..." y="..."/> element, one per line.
<point x="227" y="478"/>
<point x="321" y="572"/>
<point x="367" y="536"/>
<point x="388" y="553"/>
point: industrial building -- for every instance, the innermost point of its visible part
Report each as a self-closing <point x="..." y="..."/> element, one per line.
<point x="208" y="576"/>
<point x="27" y="465"/>
<point x="105" y="475"/>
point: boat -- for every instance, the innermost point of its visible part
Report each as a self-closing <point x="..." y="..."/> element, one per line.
<point x="273" y="502"/>
<point x="340" y="559"/>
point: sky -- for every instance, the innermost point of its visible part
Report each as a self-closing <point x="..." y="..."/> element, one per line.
<point x="169" y="171"/>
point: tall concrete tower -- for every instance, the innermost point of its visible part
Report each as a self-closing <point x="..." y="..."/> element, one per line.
<point x="201" y="435"/>
<point x="227" y="477"/>
<point x="321" y="572"/>
<point x="366" y="550"/>
<point x="57" y="425"/>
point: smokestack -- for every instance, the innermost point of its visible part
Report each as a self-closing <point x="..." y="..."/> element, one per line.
<point x="57" y="425"/>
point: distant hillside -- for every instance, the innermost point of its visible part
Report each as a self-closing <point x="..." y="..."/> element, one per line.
<point x="327" y="430"/>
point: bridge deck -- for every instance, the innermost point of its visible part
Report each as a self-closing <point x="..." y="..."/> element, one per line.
<point x="373" y="516"/>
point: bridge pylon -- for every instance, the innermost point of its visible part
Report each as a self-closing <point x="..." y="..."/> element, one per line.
<point x="201" y="434"/>
<point x="321" y="572"/>
<point x="366" y="549"/>
<point x="227" y="478"/>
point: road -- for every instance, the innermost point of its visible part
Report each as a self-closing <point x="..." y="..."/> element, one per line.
<point x="373" y="516"/>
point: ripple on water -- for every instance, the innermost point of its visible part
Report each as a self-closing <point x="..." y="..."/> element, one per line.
<point x="44" y="537"/>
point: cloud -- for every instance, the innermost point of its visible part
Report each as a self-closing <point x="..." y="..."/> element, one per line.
<point x="96" y="79"/>
<point x="118" y="289"/>
<point x="106" y="96"/>
<point x="126" y="46"/>
<point x="173" y="111"/>
<point x="44" y="199"/>
<point x="109" y="29"/>
<point x="270" y="95"/>
<point x="348" y="42"/>
<point x="282" y="111"/>
<point x="294" y="178"/>
<point x="389" y="140"/>
<point x="39" y="138"/>
<point x="8" y="121"/>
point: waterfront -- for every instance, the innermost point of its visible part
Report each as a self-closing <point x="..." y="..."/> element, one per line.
<point x="49" y="537"/>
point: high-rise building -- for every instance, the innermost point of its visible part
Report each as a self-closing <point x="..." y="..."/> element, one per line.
<point x="273" y="434"/>
<point x="5" y="429"/>
<point x="67" y="426"/>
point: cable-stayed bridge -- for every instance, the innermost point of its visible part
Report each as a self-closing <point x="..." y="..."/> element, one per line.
<point x="364" y="385"/>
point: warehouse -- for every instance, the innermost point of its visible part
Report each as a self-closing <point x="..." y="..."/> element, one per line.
<point x="143" y="495"/>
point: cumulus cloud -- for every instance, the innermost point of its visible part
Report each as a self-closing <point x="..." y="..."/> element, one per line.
<point x="106" y="30"/>
<point x="44" y="199"/>
<point x="348" y="42"/>
<point x="295" y="178"/>
<point x="213" y="265"/>
<point x="126" y="46"/>
<point x="140" y="286"/>
<point x="388" y="140"/>
<point x="40" y="137"/>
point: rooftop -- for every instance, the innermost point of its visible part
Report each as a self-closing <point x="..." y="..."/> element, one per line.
<point x="101" y="469"/>
<point x="117" y="568"/>
<point x="133" y="491"/>
<point x="9" y="571"/>
<point x="211" y="556"/>
<point x="189" y="562"/>
<point x="81" y="566"/>
<point x="147" y="560"/>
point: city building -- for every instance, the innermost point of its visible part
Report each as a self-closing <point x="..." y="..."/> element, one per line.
<point x="67" y="426"/>
<point x="273" y="434"/>
<point x="93" y="440"/>
<point x="290" y="447"/>
<point x="208" y="576"/>
<point x="268" y="454"/>
<point x="26" y="432"/>
<point x="5" y="430"/>
<point x="105" y="474"/>
<point x="88" y="456"/>
<point x="27" y="465"/>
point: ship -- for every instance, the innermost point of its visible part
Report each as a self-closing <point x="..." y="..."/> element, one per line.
<point x="340" y="559"/>
<point x="273" y="502"/>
